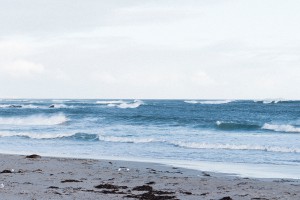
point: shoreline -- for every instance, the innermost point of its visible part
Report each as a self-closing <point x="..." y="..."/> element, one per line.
<point x="242" y="170"/>
<point x="74" y="178"/>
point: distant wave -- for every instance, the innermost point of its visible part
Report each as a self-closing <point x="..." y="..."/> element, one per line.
<point x="31" y="106"/>
<point x="122" y="104"/>
<point x="35" y="120"/>
<point x="281" y="128"/>
<point x="236" y="126"/>
<point x="127" y="139"/>
<point x="194" y="145"/>
<point x="209" y="101"/>
<point x="275" y="101"/>
<point x="110" y="102"/>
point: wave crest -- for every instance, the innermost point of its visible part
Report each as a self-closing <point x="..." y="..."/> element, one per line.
<point x="236" y="126"/>
<point x="35" y="120"/>
<point x="209" y="101"/>
<point x="127" y="139"/>
<point x="281" y="128"/>
<point x="122" y="104"/>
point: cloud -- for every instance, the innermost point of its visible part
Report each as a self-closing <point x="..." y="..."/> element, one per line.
<point x="21" y="68"/>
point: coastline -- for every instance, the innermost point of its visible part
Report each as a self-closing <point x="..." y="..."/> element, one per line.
<point x="73" y="178"/>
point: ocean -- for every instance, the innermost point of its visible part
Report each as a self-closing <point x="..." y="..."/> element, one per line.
<point x="246" y="137"/>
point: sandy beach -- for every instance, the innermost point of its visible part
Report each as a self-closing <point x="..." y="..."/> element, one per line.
<point x="23" y="177"/>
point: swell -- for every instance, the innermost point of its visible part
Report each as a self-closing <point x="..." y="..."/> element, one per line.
<point x="236" y="126"/>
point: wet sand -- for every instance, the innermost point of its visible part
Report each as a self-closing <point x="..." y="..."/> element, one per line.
<point x="69" y="178"/>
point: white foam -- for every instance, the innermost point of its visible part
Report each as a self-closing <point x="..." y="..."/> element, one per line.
<point x="34" y="120"/>
<point x="61" y="106"/>
<point x="209" y="101"/>
<point x="122" y="104"/>
<point x="192" y="102"/>
<point x="219" y="123"/>
<point x="195" y="145"/>
<point x="281" y="128"/>
<point x="110" y="102"/>
<point x="127" y="140"/>
<point x="35" y="135"/>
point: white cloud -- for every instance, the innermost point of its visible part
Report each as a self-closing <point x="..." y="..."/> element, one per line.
<point x="22" y="68"/>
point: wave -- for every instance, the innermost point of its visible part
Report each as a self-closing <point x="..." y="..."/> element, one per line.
<point x="31" y="106"/>
<point x="281" y="128"/>
<point x="236" y="126"/>
<point x="209" y="101"/>
<point x="127" y="139"/>
<point x="122" y="104"/>
<point x="35" y="135"/>
<point x="35" y="120"/>
<point x="194" y="145"/>
<point x="110" y="102"/>
<point x="60" y="106"/>
<point x="275" y="101"/>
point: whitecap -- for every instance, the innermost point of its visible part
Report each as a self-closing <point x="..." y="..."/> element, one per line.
<point x="127" y="139"/>
<point x="281" y="128"/>
<point x="122" y="104"/>
<point x="110" y="102"/>
<point x="36" y="135"/>
<point x="209" y="101"/>
<point x="35" y="120"/>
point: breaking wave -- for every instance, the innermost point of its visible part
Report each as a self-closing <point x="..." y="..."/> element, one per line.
<point x="110" y="102"/>
<point x="127" y="139"/>
<point x="236" y="126"/>
<point x="122" y="104"/>
<point x="35" y="120"/>
<point x="275" y="101"/>
<point x="194" y="145"/>
<point x="281" y="128"/>
<point x="209" y="101"/>
<point x="35" y="135"/>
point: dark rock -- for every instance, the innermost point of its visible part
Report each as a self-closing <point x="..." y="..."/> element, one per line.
<point x="33" y="156"/>
<point x="5" y="171"/>
<point x="150" y="183"/>
<point x="143" y="188"/>
<point x="15" y="106"/>
<point x="110" y="186"/>
<point x="205" y="174"/>
<point x="70" y="181"/>
<point x="226" y="198"/>
<point x="53" y="187"/>
<point x="52" y="106"/>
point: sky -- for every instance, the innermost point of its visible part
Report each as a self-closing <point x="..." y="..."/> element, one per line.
<point x="138" y="49"/>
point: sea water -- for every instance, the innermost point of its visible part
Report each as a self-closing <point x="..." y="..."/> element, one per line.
<point x="246" y="137"/>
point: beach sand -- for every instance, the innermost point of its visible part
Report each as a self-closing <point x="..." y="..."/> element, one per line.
<point x="68" y="178"/>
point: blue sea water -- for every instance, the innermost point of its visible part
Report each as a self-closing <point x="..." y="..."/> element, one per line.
<point x="255" y="138"/>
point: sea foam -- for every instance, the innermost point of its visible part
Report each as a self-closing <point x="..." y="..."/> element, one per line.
<point x="122" y="104"/>
<point x="195" y="145"/>
<point x="209" y="101"/>
<point x="35" y="120"/>
<point x="281" y="128"/>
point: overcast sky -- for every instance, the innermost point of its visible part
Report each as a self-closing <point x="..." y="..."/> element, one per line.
<point x="197" y="49"/>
